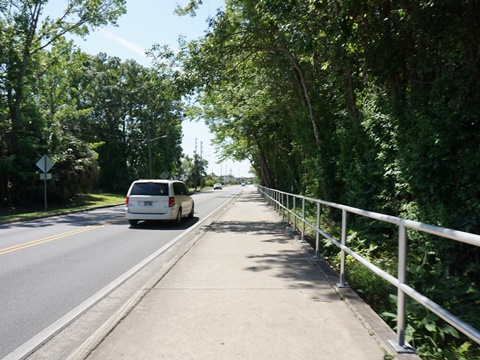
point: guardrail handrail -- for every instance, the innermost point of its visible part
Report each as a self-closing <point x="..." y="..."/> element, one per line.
<point x="276" y="199"/>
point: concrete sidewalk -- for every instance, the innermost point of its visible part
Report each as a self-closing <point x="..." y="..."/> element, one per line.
<point x="245" y="290"/>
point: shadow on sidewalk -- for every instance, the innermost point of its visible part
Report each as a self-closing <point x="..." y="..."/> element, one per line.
<point x="251" y="197"/>
<point x="291" y="266"/>
<point x="248" y="227"/>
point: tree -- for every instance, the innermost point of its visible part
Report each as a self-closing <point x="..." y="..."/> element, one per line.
<point x="25" y="37"/>
<point x="135" y="120"/>
<point x="76" y="161"/>
<point x="100" y="116"/>
<point x="193" y="171"/>
<point x="29" y="35"/>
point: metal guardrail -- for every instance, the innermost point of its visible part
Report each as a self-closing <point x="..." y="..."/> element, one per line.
<point x="281" y="201"/>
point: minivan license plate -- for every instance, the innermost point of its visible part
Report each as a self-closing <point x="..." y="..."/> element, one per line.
<point x="147" y="203"/>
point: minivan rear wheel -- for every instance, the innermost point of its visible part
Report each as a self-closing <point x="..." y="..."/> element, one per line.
<point x="178" y="220"/>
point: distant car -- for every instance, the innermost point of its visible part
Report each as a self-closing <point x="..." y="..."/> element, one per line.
<point x="217" y="186"/>
<point x="243" y="184"/>
<point x="158" y="200"/>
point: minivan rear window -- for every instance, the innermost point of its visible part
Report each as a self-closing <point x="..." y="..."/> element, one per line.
<point x="153" y="189"/>
<point x="180" y="188"/>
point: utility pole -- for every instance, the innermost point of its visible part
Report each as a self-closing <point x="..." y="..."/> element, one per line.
<point x="195" y="166"/>
<point x="201" y="163"/>
<point x="149" y="140"/>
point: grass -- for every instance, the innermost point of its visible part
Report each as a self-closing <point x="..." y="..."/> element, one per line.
<point x="83" y="202"/>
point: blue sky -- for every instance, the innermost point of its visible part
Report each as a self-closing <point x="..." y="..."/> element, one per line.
<point x="149" y="22"/>
<point x="145" y="23"/>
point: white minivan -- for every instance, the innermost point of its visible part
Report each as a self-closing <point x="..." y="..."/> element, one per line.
<point x="158" y="200"/>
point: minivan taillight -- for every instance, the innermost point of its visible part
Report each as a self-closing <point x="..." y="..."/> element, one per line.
<point x="126" y="200"/>
<point x="171" y="201"/>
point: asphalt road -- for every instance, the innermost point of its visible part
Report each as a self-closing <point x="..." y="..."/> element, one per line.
<point x="50" y="266"/>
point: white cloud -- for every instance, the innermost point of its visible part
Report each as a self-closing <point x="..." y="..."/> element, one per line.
<point x="137" y="49"/>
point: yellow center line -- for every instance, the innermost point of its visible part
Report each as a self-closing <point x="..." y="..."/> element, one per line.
<point x="55" y="237"/>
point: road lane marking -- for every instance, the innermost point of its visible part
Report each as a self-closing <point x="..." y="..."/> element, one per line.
<point x="55" y="237"/>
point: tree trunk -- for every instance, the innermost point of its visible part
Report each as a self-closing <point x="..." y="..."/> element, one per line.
<point x="303" y="84"/>
<point x="15" y="112"/>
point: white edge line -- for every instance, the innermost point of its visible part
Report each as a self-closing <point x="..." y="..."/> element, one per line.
<point x="30" y="346"/>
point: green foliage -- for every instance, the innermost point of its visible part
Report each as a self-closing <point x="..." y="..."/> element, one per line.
<point x="209" y="181"/>
<point x="104" y="122"/>
<point x="194" y="172"/>
<point x="431" y="336"/>
<point x="30" y="96"/>
<point x="76" y="167"/>
<point x="372" y="288"/>
<point x="365" y="101"/>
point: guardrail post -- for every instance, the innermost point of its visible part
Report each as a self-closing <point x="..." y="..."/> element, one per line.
<point x="342" y="253"/>
<point x="294" y="214"/>
<point x="275" y="201"/>
<point x="400" y="346"/>
<point x="288" y="211"/>
<point x="278" y="201"/>
<point x="317" y="238"/>
<point x="281" y="205"/>
<point x="302" y="235"/>
<point x="402" y="259"/>
<point x="280" y="209"/>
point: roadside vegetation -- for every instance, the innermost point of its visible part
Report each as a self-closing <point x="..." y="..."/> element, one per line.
<point x="373" y="104"/>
